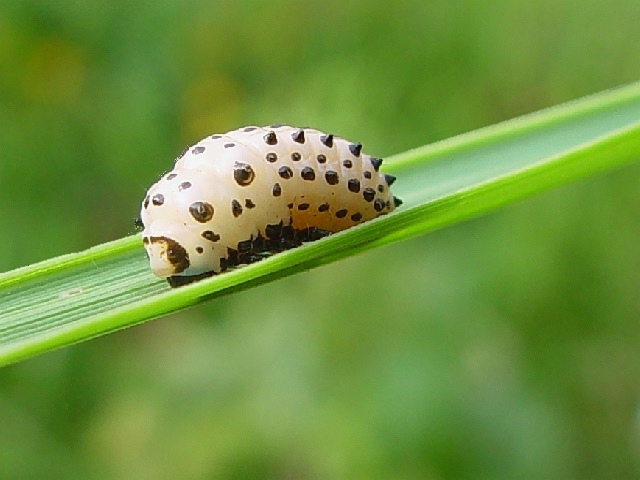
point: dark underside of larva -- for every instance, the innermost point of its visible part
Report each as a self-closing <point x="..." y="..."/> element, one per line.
<point x="279" y="238"/>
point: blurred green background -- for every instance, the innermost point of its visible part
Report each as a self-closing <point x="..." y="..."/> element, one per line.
<point x="505" y="347"/>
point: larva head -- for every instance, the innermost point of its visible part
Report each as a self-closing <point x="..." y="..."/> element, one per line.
<point x="179" y="221"/>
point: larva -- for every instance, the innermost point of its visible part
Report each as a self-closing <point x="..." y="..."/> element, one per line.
<point x="232" y="197"/>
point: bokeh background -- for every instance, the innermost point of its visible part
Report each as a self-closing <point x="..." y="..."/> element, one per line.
<point x="505" y="347"/>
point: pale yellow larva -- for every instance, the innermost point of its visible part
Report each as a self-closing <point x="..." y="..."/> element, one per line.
<point x="231" y="198"/>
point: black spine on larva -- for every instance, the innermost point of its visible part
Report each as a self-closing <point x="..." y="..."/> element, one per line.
<point x="355" y="149"/>
<point x="271" y="138"/>
<point x="327" y="140"/>
<point x="376" y="162"/>
<point x="298" y="136"/>
<point x="389" y="179"/>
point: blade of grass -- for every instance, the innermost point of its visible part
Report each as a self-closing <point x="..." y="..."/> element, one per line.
<point x="74" y="297"/>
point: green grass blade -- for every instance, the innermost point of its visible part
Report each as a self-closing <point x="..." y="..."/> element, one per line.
<point x="74" y="297"/>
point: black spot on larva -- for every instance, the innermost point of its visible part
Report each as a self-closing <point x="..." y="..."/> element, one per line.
<point x="184" y="186"/>
<point x="367" y="174"/>
<point x="397" y="202"/>
<point x="295" y="156"/>
<point x="236" y="208"/>
<point x="355" y="149"/>
<point x="376" y="162"/>
<point x="158" y="199"/>
<point x="199" y="249"/>
<point x="229" y="145"/>
<point x="201" y="211"/>
<point x="275" y="125"/>
<point x="209" y="235"/>
<point x="175" y="253"/>
<point x="271" y="157"/>
<point x="381" y="188"/>
<point x="303" y="206"/>
<point x="184" y="150"/>
<point x="327" y="140"/>
<point x="197" y="150"/>
<point x="215" y="137"/>
<point x="369" y="194"/>
<point x="289" y="206"/>
<point x="243" y="174"/>
<point x="347" y="163"/>
<point x="277" y="190"/>
<point x="245" y="246"/>
<point x="137" y="222"/>
<point x="321" y="158"/>
<point x="378" y="205"/>
<point x="146" y="202"/>
<point x="324" y="207"/>
<point x="249" y="203"/>
<point x="307" y="173"/>
<point x="145" y="240"/>
<point x="331" y="177"/>
<point x="353" y="185"/>
<point x="389" y="179"/>
<point x="298" y="136"/>
<point x="171" y="176"/>
<point x="285" y="172"/>
<point x="249" y="129"/>
<point x="271" y="138"/>
<point x="356" y="217"/>
<point x="341" y="213"/>
<point x="223" y="264"/>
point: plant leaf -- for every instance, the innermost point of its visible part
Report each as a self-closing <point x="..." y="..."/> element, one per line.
<point x="75" y="297"/>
